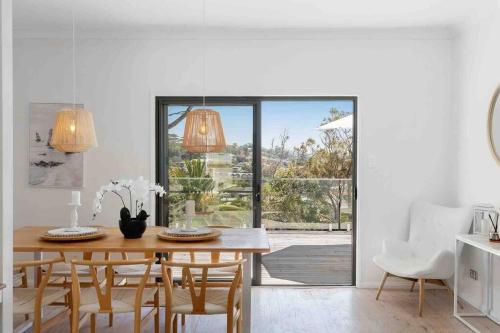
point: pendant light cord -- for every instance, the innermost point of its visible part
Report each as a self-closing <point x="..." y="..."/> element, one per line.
<point x="204" y="53"/>
<point x="74" y="53"/>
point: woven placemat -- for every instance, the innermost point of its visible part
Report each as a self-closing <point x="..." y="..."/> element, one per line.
<point x="72" y="238"/>
<point x="214" y="234"/>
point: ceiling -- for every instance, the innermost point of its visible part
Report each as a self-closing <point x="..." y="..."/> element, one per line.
<point x="95" y="15"/>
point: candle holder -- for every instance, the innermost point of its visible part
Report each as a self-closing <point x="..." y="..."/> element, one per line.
<point x="190" y="214"/>
<point x="74" y="217"/>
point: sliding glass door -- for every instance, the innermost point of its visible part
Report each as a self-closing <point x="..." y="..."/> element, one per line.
<point x="307" y="191"/>
<point x="288" y="166"/>
<point x="220" y="183"/>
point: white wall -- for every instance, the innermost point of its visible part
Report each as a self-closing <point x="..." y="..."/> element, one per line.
<point x="477" y="52"/>
<point x="403" y="81"/>
<point x="6" y="164"/>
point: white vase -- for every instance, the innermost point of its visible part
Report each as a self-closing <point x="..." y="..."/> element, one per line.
<point x="190" y="208"/>
<point x="190" y="213"/>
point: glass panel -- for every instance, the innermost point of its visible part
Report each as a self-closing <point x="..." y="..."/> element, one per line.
<point x="220" y="183"/>
<point x="307" y="191"/>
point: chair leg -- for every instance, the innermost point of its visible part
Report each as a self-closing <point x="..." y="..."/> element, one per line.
<point x="92" y="323"/>
<point x="230" y="323"/>
<point x="110" y="320"/>
<point x="386" y="275"/>
<point x="157" y="314"/>
<point x="183" y="316"/>
<point x="175" y="324"/>
<point x="238" y="321"/>
<point x="37" y="321"/>
<point x="412" y="287"/>
<point x="421" y="291"/>
<point x="168" y="321"/>
<point x="75" y="321"/>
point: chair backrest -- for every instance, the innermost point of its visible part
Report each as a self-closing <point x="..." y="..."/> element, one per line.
<point x="198" y="290"/>
<point x="215" y="256"/>
<point x="433" y="227"/>
<point x="104" y="293"/>
<point x="48" y="265"/>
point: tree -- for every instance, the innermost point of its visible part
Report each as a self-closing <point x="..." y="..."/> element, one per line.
<point x="195" y="182"/>
<point x="334" y="160"/>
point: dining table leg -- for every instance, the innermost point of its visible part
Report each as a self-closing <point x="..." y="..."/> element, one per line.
<point x="37" y="270"/>
<point x="247" y="293"/>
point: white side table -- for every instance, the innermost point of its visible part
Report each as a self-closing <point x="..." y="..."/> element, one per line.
<point x="482" y="243"/>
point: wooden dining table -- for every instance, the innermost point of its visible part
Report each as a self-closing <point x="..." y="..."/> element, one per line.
<point x="247" y="241"/>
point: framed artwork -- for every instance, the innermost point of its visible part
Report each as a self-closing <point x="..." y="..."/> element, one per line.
<point x="47" y="166"/>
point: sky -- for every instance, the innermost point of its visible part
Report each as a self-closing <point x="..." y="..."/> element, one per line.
<point x="301" y="118"/>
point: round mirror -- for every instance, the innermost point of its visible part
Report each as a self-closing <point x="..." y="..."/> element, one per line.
<point x="494" y="125"/>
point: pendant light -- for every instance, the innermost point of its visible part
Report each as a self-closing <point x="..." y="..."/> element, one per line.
<point x="73" y="130"/>
<point x="203" y="132"/>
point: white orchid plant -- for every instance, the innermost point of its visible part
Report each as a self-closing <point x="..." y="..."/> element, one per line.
<point x="138" y="193"/>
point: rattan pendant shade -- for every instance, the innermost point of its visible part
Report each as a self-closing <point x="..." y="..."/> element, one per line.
<point x="203" y="132"/>
<point x="73" y="131"/>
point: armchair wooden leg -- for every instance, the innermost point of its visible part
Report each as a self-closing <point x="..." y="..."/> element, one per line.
<point x="110" y="320"/>
<point x="421" y="291"/>
<point x="92" y="323"/>
<point x="412" y="287"/>
<point x="386" y="275"/>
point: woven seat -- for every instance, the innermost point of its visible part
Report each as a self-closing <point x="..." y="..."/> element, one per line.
<point x="215" y="300"/>
<point x="105" y="297"/>
<point x="17" y="279"/>
<point x="198" y="298"/>
<point x="122" y="299"/>
<point x="24" y="298"/>
<point x="31" y="301"/>
<point x="217" y="272"/>
<point x="64" y="269"/>
<point x="136" y="271"/>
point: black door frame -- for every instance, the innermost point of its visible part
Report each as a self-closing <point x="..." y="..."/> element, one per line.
<point x="161" y="142"/>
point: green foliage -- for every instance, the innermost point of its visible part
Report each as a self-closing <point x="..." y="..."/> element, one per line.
<point x="229" y="208"/>
<point x="193" y="177"/>
<point x="195" y="182"/>
<point x="288" y="197"/>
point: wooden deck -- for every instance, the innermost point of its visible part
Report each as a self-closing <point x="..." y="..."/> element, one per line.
<point x="308" y="258"/>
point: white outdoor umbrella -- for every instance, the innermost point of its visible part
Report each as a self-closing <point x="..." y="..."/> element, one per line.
<point x="345" y="122"/>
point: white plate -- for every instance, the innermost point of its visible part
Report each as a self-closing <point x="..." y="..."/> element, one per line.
<point x="72" y="231"/>
<point x="194" y="231"/>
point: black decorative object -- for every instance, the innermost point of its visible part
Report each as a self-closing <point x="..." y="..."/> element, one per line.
<point x="125" y="213"/>
<point x="133" y="228"/>
<point x="138" y="192"/>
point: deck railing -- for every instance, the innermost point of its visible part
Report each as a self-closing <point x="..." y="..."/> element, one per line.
<point x="287" y="203"/>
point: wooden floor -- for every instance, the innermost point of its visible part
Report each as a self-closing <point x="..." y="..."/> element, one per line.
<point x="324" y="310"/>
<point x="308" y="258"/>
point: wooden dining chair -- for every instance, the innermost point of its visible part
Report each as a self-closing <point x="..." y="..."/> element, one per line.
<point x="32" y="300"/>
<point x="104" y="297"/>
<point x="124" y="275"/>
<point x="200" y="299"/>
<point x="221" y="276"/>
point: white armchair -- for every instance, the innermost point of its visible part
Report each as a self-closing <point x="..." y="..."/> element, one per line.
<point x="428" y="254"/>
